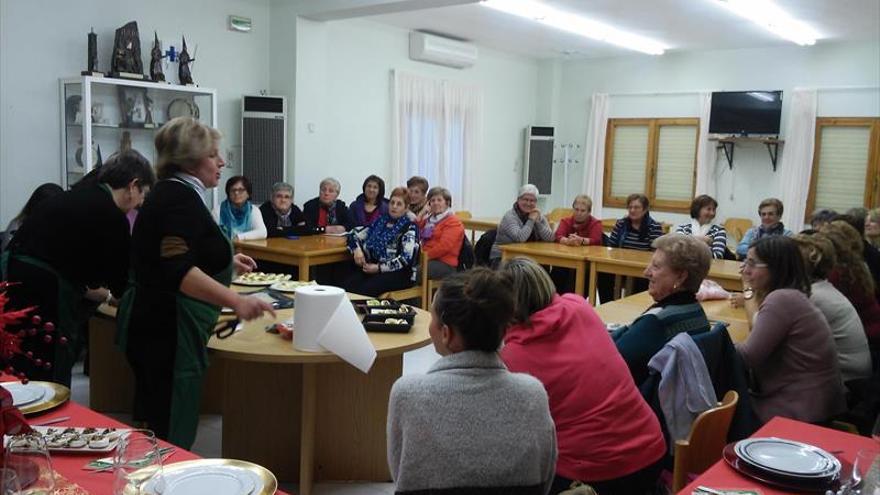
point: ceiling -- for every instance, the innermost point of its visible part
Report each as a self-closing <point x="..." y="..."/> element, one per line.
<point x="681" y="25"/>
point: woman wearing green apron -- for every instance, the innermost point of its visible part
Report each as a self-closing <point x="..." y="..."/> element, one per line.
<point x="182" y="264"/>
<point x="70" y="254"/>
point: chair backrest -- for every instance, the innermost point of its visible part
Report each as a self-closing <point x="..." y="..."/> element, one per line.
<point x="484" y="247"/>
<point x="558" y="214"/>
<point x="416" y="291"/>
<point x="463" y="214"/>
<point x="736" y="228"/>
<point x="466" y="257"/>
<point x="705" y="442"/>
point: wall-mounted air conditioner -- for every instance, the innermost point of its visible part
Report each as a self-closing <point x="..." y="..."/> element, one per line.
<point x="442" y="51"/>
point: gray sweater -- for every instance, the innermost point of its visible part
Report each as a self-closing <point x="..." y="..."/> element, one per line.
<point x="853" y="354"/>
<point x="511" y="229"/>
<point x="470" y="424"/>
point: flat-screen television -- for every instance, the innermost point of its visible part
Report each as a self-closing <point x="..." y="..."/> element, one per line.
<point x="745" y="112"/>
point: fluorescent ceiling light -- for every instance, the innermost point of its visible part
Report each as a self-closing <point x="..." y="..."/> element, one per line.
<point x="576" y="24"/>
<point x="767" y="15"/>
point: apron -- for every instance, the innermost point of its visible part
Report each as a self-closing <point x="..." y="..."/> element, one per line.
<point x="195" y="322"/>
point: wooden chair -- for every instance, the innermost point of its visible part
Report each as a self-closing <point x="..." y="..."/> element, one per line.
<point x="558" y="214"/>
<point x="463" y="215"/>
<point x="416" y="291"/>
<point x="705" y="442"/>
<point x="736" y="228"/>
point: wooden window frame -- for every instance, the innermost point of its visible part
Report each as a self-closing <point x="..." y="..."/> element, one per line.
<point x="654" y="126"/>
<point x="872" y="178"/>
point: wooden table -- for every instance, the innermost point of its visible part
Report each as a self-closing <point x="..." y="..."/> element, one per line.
<point x="627" y="309"/>
<point x="309" y="416"/>
<point x="844" y="445"/>
<point x="480" y="225"/>
<point x="305" y="252"/>
<point x="553" y="254"/>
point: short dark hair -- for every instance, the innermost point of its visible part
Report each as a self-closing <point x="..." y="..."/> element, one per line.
<point x="784" y="262"/>
<point x="854" y="219"/>
<point x="822" y="216"/>
<point x="125" y="166"/>
<point x="418" y="180"/>
<point x="478" y="305"/>
<point x="378" y="180"/>
<point x="641" y="198"/>
<point x="441" y="191"/>
<point x="40" y="194"/>
<point x="775" y="203"/>
<point x="701" y="202"/>
<point x="235" y="179"/>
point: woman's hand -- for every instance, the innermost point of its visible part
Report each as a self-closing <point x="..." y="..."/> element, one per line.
<point x="708" y="240"/>
<point x="566" y="241"/>
<point x="371" y="268"/>
<point x="737" y="300"/>
<point x="243" y="263"/>
<point x="99" y="295"/>
<point x="535" y="214"/>
<point x="248" y="308"/>
<point x="359" y="258"/>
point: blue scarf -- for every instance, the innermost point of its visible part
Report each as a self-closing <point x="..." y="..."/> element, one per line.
<point x="233" y="219"/>
<point x="382" y="235"/>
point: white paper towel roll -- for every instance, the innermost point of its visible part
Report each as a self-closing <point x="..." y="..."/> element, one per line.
<point x="325" y="319"/>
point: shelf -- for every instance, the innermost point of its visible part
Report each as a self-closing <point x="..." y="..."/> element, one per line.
<point x="111" y="126"/>
<point x="727" y="144"/>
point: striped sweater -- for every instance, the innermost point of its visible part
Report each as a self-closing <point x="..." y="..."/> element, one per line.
<point x="623" y="235"/>
<point x="716" y="232"/>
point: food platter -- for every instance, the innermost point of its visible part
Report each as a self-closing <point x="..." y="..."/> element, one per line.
<point x="290" y="286"/>
<point x="260" y="279"/>
<point x="80" y="439"/>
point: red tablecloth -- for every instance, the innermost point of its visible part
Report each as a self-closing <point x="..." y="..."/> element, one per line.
<point x="723" y="476"/>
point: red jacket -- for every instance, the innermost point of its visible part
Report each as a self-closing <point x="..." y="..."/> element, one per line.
<point x="445" y="244"/>
<point x="604" y="428"/>
<point x="591" y="229"/>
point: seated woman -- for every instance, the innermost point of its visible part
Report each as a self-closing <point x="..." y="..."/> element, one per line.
<point x="582" y="228"/>
<point x="872" y="227"/>
<point x="237" y="216"/>
<point x="327" y="211"/>
<point x="790" y="349"/>
<point x="770" y="211"/>
<point x="386" y="252"/>
<point x="678" y="267"/>
<point x="850" y="341"/>
<point x="281" y="217"/>
<point x="523" y="223"/>
<point x="637" y="230"/>
<point x="607" y="435"/>
<point x="441" y="233"/>
<point x="371" y="203"/>
<point x="469" y="425"/>
<point x="702" y="213"/>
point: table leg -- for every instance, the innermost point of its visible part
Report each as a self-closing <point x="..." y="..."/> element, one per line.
<point x="307" y="433"/>
<point x="303" y="266"/>
<point x="593" y="281"/>
<point x="579" y="279"/>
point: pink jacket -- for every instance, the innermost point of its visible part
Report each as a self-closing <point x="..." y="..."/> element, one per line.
<point x="604" y="428"/>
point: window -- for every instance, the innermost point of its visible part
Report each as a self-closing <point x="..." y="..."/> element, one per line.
<point x="655" y="157"/>
<point x="846" y="164"/>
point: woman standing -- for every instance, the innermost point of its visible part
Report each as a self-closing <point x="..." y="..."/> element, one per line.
<point x="182" y="264"/>
<point x="441" y="233"/>
<point x="237" y="216"/>
<point x="371" y="203"/>
<point x="72" y="253"/>
<point x="386" y="252"/>
<point x="790" y="349"/>
<point x="524" y="222"/>
<point x="702" y="213"/>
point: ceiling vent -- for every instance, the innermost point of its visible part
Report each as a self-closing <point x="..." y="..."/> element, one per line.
<point x="442" y="51"/>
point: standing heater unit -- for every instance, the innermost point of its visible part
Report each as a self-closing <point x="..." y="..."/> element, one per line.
<point x="538" y="156"/>
<point x="263" y="143"/>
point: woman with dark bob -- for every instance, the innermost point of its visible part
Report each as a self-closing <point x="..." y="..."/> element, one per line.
<point x="702" y="213"/>
<point x="790" y="349"/>
<point x="40" y="194"/>
<point x="677" y="268"/>
<point x="238" y="217"/>
<point x="370" y="203"/>
<point x="469" y="425"/>
<point x="607" y="435"/>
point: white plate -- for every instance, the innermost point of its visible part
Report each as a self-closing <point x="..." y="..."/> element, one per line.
<point x="290" y="285"/>
<point x="207" y="480"/>
<point x="788" y="457"/>
<point x="25" y="394"/>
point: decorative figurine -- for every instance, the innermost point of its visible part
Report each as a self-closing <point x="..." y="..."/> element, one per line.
<point x="156" y="73"/>
<point x="183" y="71"/>
<point x="126" y="61"/>
<point x="92" y="56"/>
<point x="148" y="108"/>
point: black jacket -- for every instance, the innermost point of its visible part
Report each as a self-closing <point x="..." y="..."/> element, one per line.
<point x="297" y="221"/>
<point x="310" y="211"/>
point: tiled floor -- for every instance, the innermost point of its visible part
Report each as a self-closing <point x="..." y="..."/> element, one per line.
<point x="208" y="440"/>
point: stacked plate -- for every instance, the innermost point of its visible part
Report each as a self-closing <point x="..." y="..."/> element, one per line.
<point x="787" y="462"/>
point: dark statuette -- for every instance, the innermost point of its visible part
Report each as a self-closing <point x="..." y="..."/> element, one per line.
<point x="183" y="70"/>
<point x="156" y="73"/>
<point x="127" y="53"/>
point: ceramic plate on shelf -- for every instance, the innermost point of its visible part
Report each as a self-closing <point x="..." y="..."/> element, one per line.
<point x="214" y="476"/>
<point x="788" y="457"/>
<point x="54" y="394"/>
<point x="183" y="107"/>
<point x="23" y="395"/>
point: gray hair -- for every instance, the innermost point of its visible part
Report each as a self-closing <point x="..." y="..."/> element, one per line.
<point x="282" y="186"/>
<point x="586" y="199"/>
<point x="331" y="181"/>
<point x="441" y="191"/>
<point x="528" y="189"/>
<point x="687" y="253"/>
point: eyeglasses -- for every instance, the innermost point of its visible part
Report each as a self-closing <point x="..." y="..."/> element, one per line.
<point x="238" y="190"/>
<point x="750" y="263"/>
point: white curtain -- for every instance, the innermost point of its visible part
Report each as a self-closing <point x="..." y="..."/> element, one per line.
<point x="706" y="179"/>
<point x="797" y="160"/>
<point x="594" y="166"/>
<point x="436" y="132"/>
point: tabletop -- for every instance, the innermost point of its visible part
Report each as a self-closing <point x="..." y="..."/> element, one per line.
<point x="306" y="245"/>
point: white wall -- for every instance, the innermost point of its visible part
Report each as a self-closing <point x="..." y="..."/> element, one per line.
<point x="343" y="91"/>
<point x="752" y="179"/>
<point x="42" y="41"/>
